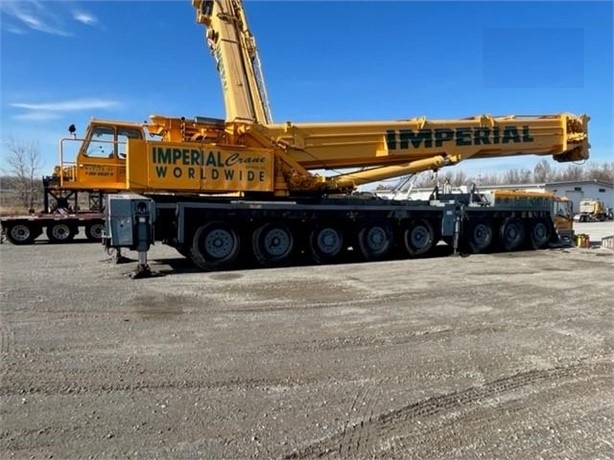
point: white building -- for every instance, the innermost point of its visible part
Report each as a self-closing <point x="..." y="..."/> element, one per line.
<point x="584" y="189"/>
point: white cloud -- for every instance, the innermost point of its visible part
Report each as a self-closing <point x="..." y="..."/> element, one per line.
<point x="35" y="15"/>
<point x="68" y="106"/>
<point x="85" y="18"/>
<point x="40" y="111"/>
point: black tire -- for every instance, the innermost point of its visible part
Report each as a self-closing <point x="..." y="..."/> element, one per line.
<point x="21" y="233"/>
<point x="60" y="232"/>
<point x="419" y="238"/>
<point x="94" y="231"/>
<point x="215" y="246"/>
<point x="511" y="233"/>
<point x="273" y="245"/>
<point x="540" y="233"/>
<point x="480" y="236"/>
<point x="375" y="240"/>
<point x="326" y="243"/>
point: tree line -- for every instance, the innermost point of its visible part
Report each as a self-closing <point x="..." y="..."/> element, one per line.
<point x="543" y="172"/>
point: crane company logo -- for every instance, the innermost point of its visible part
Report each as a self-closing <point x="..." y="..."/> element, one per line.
<point x="176" y="163"/>
<point x="405" y="139"/>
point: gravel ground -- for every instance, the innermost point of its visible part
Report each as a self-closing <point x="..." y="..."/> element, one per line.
<point x="490" y="356"/>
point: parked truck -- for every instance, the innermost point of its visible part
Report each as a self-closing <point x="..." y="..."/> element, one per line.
<point x="593" y="210"/>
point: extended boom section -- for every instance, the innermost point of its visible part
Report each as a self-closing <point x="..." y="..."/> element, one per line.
<point x="238" y="63"/>
<point x="203" y="155"/>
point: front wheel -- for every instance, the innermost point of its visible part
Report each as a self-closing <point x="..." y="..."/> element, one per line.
<point x="540" y="233"/>
<point x="215" y="246"/>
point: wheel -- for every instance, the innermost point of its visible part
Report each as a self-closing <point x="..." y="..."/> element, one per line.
<point x="540" y="233"/>
<point x="60" y="232"/>
<point x="273" y="244"/>
<point x="215" y="246"/>
<point x="419" y="237"/>
<point x="375" y="240"/>
<point x="20" y="234"/>
<point x="480" y="236"/>
<point x="511" y="233"/>
<point x="94" y="231"/>
<point x="326" y="243"/>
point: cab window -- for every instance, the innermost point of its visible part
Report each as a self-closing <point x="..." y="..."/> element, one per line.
<point x="102" y="142"/>
<point x="123" y="134"/>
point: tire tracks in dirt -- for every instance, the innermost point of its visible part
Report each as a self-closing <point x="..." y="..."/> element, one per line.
<point x="357" y="440"/>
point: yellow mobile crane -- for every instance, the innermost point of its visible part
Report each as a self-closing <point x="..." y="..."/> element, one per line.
<point x="222" y="191"/>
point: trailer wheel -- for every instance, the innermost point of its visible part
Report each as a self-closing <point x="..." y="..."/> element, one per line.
<point x="94" y="231"/>
<point x="375" y="240"/>
<point x="540" y="233"/>
<point x="273" y="244"/>
<point x="215" y="246"/>
<point x="480" y="236"/>
<point x="60" y="232"/>
<point x="326" y="243"/>
<point x="511" y="233"/>
<point x="21" y="234"/>
<point x="419" y="238"/>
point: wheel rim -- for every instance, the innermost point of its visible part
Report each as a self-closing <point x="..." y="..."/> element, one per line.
<point x="219" y="243"/>
<point x="96" y="230"/>
<point x="328" y="241"/>
<point x="419" y="237"/>
<point x="21" y="233"/>
<point x="277" y="242"/>
<point x="512" y="234"/>
<point x="60" y="231"/>
<point x="540" y="232"/>
<point x="376" y="239"/>
<point x="482" y="234"/>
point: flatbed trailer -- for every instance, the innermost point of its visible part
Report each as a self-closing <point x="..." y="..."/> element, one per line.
<point x="220" y="233"/>
<point x="61" y="218"/>
<point x="59" y="228"/>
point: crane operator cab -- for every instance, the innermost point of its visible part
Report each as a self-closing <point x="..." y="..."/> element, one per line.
<point x="100" y="156"/>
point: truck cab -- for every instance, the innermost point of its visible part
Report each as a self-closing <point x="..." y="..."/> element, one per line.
<point x="100" y="157"/>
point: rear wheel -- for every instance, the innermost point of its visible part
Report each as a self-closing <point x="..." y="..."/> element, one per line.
<point x="419" y="238"/>
<point x="60" y="232"/>
<point x="375" y="240"/>
<point x="273" y="244"/>
<point x="511" y="233"/>
<point x="326" y="243"/>
<point x="215" y="246"/>
<point x="94" y="231"/>
<point x="20" y="234"/>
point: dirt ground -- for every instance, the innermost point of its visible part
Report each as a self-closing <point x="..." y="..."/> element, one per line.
<point x="490" y="356"/>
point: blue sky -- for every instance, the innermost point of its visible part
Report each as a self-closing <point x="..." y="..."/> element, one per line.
<point x="65" y="62"/>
